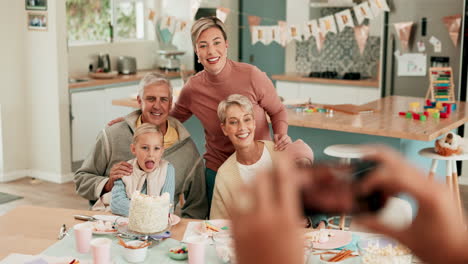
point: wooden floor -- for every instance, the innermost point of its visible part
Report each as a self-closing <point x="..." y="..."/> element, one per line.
<point x="42" y="193"/>
<point x="47" y="194"/>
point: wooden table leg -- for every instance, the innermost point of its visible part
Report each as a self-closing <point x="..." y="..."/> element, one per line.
<point x="433" y="170"/>
<point x="448" y="177"/>
<point x="456" y="188"/>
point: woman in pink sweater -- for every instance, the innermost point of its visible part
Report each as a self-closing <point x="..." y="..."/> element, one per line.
<point x="220" y="78"/>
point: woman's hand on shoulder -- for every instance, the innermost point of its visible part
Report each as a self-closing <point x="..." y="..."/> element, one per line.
<point x="281" y="141"/>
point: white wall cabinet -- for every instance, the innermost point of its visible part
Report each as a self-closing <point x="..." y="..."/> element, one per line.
<point x="327" y="93"/>
<point x="91" y="111"/>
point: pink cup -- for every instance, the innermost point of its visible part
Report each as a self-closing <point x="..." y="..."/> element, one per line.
<point x="101" y="250"/>
<point x="196" y="250"/>
<point x="83" y="235"/>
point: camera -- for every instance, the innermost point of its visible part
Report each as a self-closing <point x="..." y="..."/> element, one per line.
<point x="331" y="189"/>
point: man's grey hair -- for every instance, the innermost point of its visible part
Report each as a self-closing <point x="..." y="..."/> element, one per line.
<point x="153" y="78"/>
<point x="234" y="99"/>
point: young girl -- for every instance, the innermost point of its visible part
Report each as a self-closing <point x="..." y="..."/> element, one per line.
<point x="151" y="174"/>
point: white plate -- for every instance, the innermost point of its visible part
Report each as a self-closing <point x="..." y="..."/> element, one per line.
<point x="107" y="231"/>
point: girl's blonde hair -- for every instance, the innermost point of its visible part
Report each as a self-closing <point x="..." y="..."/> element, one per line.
<point x="205" y="23"/>
<point x="234" y="99"/>
<point x="146" y="128"/>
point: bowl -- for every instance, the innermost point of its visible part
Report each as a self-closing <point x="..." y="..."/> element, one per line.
<point x="135" y="255"/>
<point x="178" y="253"/>
<point x="383" y="250"/>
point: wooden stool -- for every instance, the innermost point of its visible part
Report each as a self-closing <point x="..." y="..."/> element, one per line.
<point x="451" y="178"/>
<point x="345" y="152"/>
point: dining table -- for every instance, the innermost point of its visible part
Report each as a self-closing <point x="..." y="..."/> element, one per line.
<point x="33" y="231"/>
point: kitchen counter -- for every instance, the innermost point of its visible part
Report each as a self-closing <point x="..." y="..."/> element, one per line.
<point x="294" y="77"/>
<point x="385" y="121"/>
<point x="121" y="79"/>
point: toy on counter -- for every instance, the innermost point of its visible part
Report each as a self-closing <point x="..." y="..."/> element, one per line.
<point x="450" y="144"/>
<point x="432" y="109"/>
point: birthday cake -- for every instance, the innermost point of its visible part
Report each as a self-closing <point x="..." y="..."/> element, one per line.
<point x="149" y="214"/>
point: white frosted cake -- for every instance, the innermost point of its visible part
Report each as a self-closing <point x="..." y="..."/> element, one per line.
<point x="149" y="214"/>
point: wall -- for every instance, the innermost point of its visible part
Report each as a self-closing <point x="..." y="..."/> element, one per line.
<point x="15" y="107"/>
<point x="36" y="136"/>
<point x="80" y="56"/>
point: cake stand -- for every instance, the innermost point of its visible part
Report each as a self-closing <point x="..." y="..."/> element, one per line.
<point x="123" y="231"/>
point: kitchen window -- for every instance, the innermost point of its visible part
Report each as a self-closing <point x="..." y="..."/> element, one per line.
<point x="89" y="21"/>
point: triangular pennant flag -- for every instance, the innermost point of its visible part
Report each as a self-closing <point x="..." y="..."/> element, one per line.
<point x="167" y="22"/>
<point x="151" y="14"/>
<point x="379" y="6"/>
<point x="319" y="41"/>
<point x="362" y="34"/>
<point x="284" y="36"/>
<point x="275" y="34"/>
<point x="181" y="25"/>
<point x="257" y="34"/>
<point x="363" y="11"/>
<point x="294" y="32"/>
<point x="312" y="29"/>
<point x="254" y="20"/>
<point x="344" y="19"/>
<point x="453" y="24"/>
<point x="403" y="30"/>
<point x="222" y="13"/>
<point x="327" y="24"/>
<point x="194" y="6"/>
<point x="267" y="38"/>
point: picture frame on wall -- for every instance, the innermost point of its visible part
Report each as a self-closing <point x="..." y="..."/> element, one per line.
<point x="36" y="4"/>
<point x="37" y="21"/>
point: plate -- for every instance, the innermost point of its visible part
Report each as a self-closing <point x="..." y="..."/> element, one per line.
<point x="337" y="239"/>
<point x="224" y="225"/>
<point x="103" y="75"/>
<point x="102" y="227"/>
<point x="122" y="228"/>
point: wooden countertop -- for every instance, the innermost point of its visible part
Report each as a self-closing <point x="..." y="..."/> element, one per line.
<point x="384" y="122"/>
<point x="122" y="78"/>
<point x="294" y="77"/>
<point x="32" y="229"/>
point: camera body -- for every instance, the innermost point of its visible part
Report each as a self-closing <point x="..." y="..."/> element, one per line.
<point x="331" y="182"/>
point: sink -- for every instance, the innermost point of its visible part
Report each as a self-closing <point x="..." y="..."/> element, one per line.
<point x="78" y="80"/>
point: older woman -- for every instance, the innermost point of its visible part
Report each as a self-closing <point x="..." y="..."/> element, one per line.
<point x="220" y="78"/>
<point x="238" y="123"/>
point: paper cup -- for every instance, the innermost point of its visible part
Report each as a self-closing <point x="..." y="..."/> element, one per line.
<point x="135" y="255"/>
<point x="83" y="235"/>
<point x="196" y="250"/>
<point x="101" y="250"/>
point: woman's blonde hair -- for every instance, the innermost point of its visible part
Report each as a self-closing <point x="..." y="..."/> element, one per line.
<point x="234" y="99"/>
<point x="146" y="128"/>
<point x="205" y="23"/>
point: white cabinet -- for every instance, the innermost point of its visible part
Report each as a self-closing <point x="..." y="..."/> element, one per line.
<point x="88" y="110"/>
<point x="91" y="111"/>
<point x="326" y="93"/>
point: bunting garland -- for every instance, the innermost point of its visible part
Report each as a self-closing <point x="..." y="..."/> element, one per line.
<point x="284" y="32"/>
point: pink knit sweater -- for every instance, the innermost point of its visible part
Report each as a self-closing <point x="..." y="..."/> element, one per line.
<point x="203" y="92"/>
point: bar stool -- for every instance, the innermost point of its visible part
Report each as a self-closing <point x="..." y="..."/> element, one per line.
<point x="345" y="152"/>
<point x="451" y="178"/>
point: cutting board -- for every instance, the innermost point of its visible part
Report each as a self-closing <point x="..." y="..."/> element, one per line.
<point x="351" y="109"/>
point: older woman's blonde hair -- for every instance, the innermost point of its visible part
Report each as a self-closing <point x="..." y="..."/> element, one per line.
<point x="203" y="24"/>
<point x="146" y="128"/>
<point x="153" y="78"/>
<point x="234" y="99"/>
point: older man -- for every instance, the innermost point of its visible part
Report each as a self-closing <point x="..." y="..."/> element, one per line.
<point x="107" y="162"/>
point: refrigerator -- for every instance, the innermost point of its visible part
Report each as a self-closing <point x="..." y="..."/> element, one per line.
<point x="432" y="11"/>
